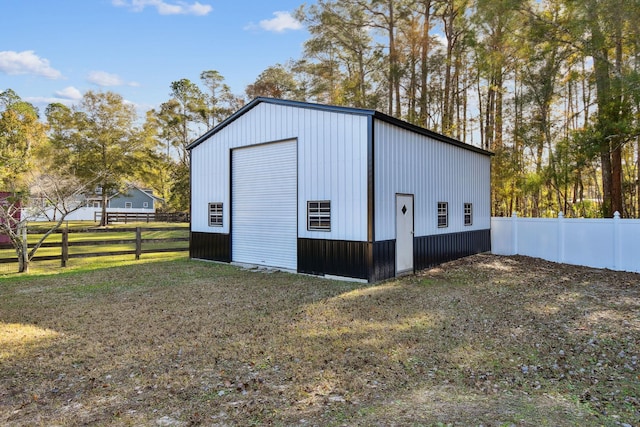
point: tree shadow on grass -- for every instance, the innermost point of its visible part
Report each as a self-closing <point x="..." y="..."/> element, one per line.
<point x="497" y="339"/>
<point x="485" y="339"/>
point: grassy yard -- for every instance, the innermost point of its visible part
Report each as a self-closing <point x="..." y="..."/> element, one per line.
<point x="484" y="340"/>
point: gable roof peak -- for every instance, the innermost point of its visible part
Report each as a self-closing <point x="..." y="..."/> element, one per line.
<point x="337" y="109"/>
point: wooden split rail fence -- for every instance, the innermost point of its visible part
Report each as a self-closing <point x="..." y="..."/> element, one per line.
<point x="138" y="241"/>
<point x="126" y="217"/>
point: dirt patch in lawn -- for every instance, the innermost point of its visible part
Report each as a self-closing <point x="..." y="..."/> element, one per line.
<point x="483" y="340"/>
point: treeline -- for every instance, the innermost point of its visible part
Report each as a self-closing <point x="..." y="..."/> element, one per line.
<point x="551" y="87"/>
<point x="99" y="145"/>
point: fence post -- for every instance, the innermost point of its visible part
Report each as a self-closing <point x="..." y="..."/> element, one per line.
<point x="64" y="257"/>
<point x="617" y="264"/>
<point x="561" y="235"/>
<point x="138" y="242"/>
<point x="514" y="233"/>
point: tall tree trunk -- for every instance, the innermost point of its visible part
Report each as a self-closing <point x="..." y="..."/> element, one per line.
<point x="448" y="18"/>
<point x="392" y="57"/>
<point x="455" y="106"/>
<point x="616" y="178"/>
<point x="23" y="252"/>
<point x="617" y="141"/>
<point x="483" y="138"/>
<point x="489" y="116"/>
<point x="607" y="182"/>
<point x="362" y="80"/>
<point x="424" y="69"/>
<point x="637" y="213"/>
<point x="103" y="208"/>
<point x="498" y="110"/>
<point x="395" y="61"/>
<point x="446" y="107"/>
<point x="603" y="94"/>
<point x="517" y="139"/>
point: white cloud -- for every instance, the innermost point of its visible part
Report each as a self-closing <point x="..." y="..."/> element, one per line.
<point x="70" y="93"/>
<point x="165" y="7"/>
<point x="42" y="102"/>
<point x="283" y="21"/>
<point x="102" y="78"/>
<point x="27" y="62"/>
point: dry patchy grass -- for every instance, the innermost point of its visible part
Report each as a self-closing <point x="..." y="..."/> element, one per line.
<point x="483" y="340"/>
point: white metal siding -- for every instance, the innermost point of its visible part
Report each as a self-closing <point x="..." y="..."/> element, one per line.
<point x="209" y="183"/>
<point x="264" y="201"/>
<point x="332" y="165"/>
<point x="435" y="171"/>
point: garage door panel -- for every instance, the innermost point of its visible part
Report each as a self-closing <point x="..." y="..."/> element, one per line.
<point x="264" y="205"/>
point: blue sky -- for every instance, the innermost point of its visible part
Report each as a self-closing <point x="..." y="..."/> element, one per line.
<point x="55" y="50"/>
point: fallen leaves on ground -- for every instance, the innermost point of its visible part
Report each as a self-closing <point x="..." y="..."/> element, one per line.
<point x="482" y="340"/>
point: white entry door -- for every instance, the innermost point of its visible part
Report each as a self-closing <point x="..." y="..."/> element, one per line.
<point x="404" y="233"/>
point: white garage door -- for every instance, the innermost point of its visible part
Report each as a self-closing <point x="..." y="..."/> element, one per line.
<point x="264" y="224"/>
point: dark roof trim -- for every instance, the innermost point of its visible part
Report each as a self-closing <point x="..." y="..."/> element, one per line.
<point x="426" y="132"/>
<point x="336" y="109"/>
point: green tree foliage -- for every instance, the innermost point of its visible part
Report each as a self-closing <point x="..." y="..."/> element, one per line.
<point x="30" y="181"/>
<point x="21" y="133"/>
<point x="219" y="101"/>
<point x="99" y="141"/>
<point x="276" y="82"/>
<point x="341" y="46"/>
<point x="551" y="87"/>
<point x="189" y="112"/>
<point x="177" y="123"/>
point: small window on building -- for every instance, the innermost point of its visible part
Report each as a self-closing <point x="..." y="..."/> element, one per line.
<point x="96" y="204"/>
<point x="468" y="214"/>
<point x="319" y="215"/>
<point x="128" y="205"/>
<point x="215" y="214"/>
<point x="145" y="204"/>
<point x="443" y="214"/>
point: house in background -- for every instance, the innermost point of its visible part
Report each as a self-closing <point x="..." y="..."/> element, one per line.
<point x="132" y="199"/>
<point x="335" y="191"/>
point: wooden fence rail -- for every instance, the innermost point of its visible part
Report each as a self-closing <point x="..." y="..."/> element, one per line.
<point x="127" y="217"/>
<point x="138" y="241"/>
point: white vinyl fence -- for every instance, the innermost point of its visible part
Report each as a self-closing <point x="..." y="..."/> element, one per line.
<point x="86" y="213"/>
<point x="611" y="243"/>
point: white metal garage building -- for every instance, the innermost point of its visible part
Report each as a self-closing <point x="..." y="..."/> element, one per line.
<point x="335" y="191"/>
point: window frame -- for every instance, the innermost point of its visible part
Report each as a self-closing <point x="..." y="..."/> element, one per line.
<point x="128" y="205"/>
<point x="215" y="214"/>
<point x="319" y="216"/>
<point x="468" y="213"/>
<point x="443" y="213"/>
